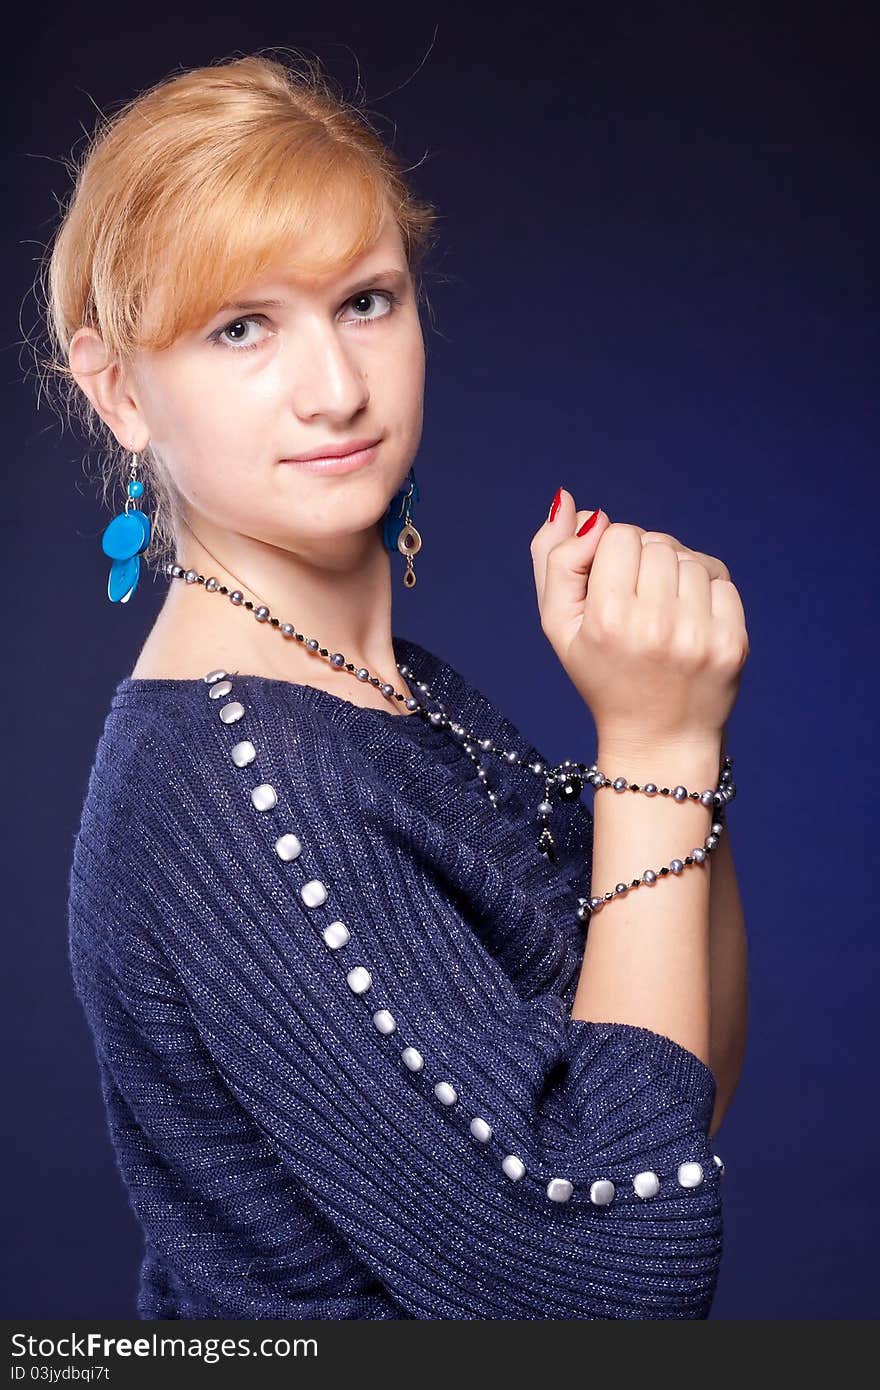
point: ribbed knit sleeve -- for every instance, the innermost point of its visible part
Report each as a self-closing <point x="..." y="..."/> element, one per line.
<point x="320" y="945"/>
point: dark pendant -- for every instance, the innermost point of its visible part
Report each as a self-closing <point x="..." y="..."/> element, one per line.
<point x="569" y="787"/>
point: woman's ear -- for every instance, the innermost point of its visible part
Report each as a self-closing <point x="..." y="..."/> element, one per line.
<point x="104" y="382"/>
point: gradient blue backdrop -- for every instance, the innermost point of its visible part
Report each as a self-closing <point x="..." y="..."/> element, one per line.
<point x="655" y="285"/>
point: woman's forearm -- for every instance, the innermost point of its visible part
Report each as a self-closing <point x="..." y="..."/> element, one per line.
<point x="647" y="959"/>
<point x="728" y="966"/>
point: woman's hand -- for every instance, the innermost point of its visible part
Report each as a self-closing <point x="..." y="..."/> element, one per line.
<point x="651" y="633"/>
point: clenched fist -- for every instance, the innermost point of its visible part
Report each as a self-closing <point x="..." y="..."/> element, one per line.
<point x="651" y="634"/>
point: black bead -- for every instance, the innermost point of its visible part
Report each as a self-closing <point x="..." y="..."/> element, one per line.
<point x="664" y="791"/>
<point x="274" y="622"/>
<point x="570" y="789"/>
<point x="248" y="603"/>
<point x="299" y="637"/>
<point x="664" y="872"/>
<point x="323" y="651"/>
<point x="635" y="883"/>
<point x="224" y="589"/>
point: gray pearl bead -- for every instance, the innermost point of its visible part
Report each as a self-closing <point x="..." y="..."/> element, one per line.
<point x="312" y="644"/>
<point x="191" y="576"/>
<point x="602" y="1192"/>
<point x="650" y="789"/>
<point x="537" y="768"/>
<point x="231" y="712"/>
<point x="698" y="855"/>
<point x="264" y="796"/>
<point x="510" y="756"/>
<point x="711" y="841"/>
<point x="676" y="865"/>
<point x="435" y="717"/>
<point x="559" y="1189"/>
<point x="337" y="659"/>
<point x="708" y="797"/>
<point x="220" y="689"/>
<point x="649" y="876"/>
<point x="287" y="629"/>
<point x="243" y="753"/>
<point x="719" y="1165"/>
<point x="717" y="828"/>
<point x="679" y="793"/>
<point x="597" y="903"/>
<point x="236" y="598"/>
<point x="362" y="674"/>
<point x="261" y="613"/>
<point x="621" y="888"/>
<point x="545" y="808"/>
<point x="288" y="846"/>
<point x="619" y="784"/>
<point x="212" y="584"/>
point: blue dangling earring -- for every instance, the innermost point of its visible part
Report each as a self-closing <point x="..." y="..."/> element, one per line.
<point x="399" y="532"/>
<point x="124" y="539"/>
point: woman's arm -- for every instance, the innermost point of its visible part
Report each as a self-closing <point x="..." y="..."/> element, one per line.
<point x="729" y="971"/>
<point x="646" y="960"/>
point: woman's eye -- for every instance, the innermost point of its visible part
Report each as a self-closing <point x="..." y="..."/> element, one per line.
<point x="236" y="344"/>
<point x="387" y="295"/>
<point x="240" y="342"/>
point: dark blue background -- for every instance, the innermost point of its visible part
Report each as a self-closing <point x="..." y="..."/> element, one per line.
<point x="655" y="284"/>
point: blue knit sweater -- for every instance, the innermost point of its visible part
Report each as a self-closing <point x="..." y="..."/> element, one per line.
<point x="329" y="987"/>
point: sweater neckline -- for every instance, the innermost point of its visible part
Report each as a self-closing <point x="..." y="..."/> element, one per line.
<point x="132" y="688"/>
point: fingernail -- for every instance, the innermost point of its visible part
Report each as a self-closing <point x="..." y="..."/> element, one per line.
<point x="554" y="505"/>
<point x="590" y="521"/>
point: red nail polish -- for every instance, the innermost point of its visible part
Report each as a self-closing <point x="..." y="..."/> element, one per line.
<point x="554" y="505"/>
<point x="590" y="521"/>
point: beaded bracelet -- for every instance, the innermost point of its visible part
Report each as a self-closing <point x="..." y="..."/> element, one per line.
<point x="718" y="799"/>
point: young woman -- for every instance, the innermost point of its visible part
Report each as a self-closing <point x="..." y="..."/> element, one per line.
<point x="388" y="1024"/>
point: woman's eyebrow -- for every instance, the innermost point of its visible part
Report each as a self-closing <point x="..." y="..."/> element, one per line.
<point x="393" y="274"/>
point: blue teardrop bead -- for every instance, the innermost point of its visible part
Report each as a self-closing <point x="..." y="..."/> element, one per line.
<point x="124" y="575"/>
<point x="126" y="535"/>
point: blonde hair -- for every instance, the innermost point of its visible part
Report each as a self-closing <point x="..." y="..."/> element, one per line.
<point x="195" y="187"/>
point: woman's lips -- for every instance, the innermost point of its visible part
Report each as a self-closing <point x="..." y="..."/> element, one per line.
<point x="338" y="463"/>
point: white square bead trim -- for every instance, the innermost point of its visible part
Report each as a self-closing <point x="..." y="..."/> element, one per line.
<point x="646" y="1184"/>
<point x="690" y="1174"/>
<point x="243" y="753"/>
<point x="359" y="979"/>
<point x="559" y="1189"/>
<point x="314" y="894"/>
<point x="264" y="797"/>
<point x="336" y="935"/>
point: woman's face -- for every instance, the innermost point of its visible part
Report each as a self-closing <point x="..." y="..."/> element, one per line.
<point x="334" y="360"/>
